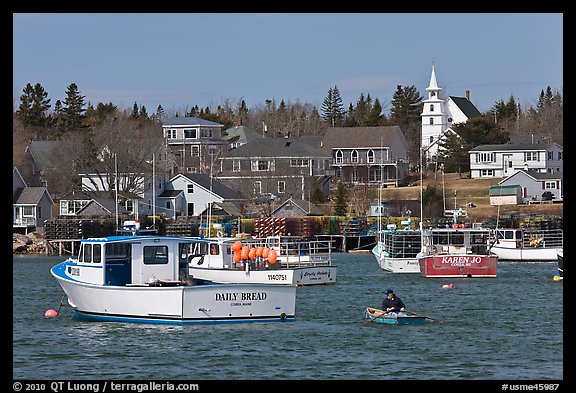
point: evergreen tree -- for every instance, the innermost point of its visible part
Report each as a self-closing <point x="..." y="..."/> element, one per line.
<point x="143" y="114"/>
<point x="242" y="112"/>
<point x="375" y="117"/>
<point x="340" y="200"/>
<point x="405" y="113"/>
<point x="333" y="108"/>
<point x="135" y="113"/>
<point x="34" y="105"/>
<point x="73" y="112"/>
<point x="159" y="113"/>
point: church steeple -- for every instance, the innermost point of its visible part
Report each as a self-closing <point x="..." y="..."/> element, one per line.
<point x="433" y="89"/>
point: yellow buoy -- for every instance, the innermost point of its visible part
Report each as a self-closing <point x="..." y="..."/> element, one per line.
<point x="558" y="278"/>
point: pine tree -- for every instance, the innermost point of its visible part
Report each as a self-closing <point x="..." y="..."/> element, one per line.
<point x="143" y="114"/>
<point x="135" y="113"/>
<point x="333" y="108"/>
<point x="340" y="200"/>
<point x="159" y="113"/>
<point x="73" y="112"/>
<point x="34" y="105"/>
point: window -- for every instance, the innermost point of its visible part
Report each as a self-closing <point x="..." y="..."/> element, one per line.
<point x="487" y="173"/>
<point x="370" y="156"/>
<point x="262" y="165"/>
<point x="191" y="133"/>
<point x="206" y="133"/>
<point x="257" y="187"/>
<point x="171" y="134"/>
<point x="281" y="187"/>
<point x="457" y="239"/>
<point x="212" y="152"/>
<point x="431" y="121"/>
<point x="190" y="209"/>
<point x="235" y="165"/>
<point x="550" y="155"/>
<point x="97" y="254"/>
<point x="487" y="157"/>
<point x="354" y="156"/>
<point x="339" y="157"/>
<point x="431" y="139"/>
<point x="298" y="163"/>
<point x="531" y="156"/>
<point x="195" y="151"/>
<point x="129" y="205"/>
<point x="214" y="249"/>
<point x="354" y="176"/>
<point x="155" y="255"/>
<point x="168" y="205"/>
<point x="559" y="155"/>
<point x="374" y="174"/>
<point x="190" y="188"/>
<point x="550" y="184"/>
<point x="433" y="94"/>
<point x="87" y="253"/>
<point x="39" y="211"/>
<point x="337" y="173"/>
<point x="431" y="107"/>
<point x="28" y="211"/>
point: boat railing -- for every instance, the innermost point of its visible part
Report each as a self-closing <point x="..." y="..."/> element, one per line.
<point x="543" y="238"/>
<point x="293" y="253"/>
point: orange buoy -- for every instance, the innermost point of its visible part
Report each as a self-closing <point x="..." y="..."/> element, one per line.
<point x="265" y="252"/>
<point x="259" y="251"/>
<point x="237" y="246"/>
<point x="252" y="253"/>
<point x="50" y="313"/>
<point x="272" y="257"/>
<point x="244" y="252"/>
<point x="237" y="256"/>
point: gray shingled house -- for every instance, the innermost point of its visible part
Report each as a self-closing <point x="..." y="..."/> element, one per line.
<point x="31" y="206"/>
<point x="367" y="155"/>
<point x="276" y="168"/>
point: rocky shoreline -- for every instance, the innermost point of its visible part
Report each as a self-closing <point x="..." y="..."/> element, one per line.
<point x="32" y="243"/>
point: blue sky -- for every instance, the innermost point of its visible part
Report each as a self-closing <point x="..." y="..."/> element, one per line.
<point x="180" y="60"/>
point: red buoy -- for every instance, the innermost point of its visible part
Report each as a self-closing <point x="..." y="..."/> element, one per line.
<point x="50" y="313"/>
<point x="449" y="286"/>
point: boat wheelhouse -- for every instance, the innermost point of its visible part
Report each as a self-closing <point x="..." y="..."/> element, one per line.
<point x="145" y="279"/>
<point x="397" y="250"/>
<point x="522" y="245"/>
<point x="296" y="262"/>
<point x="457" y="252"/>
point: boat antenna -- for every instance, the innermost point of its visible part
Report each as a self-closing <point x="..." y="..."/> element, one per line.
<point x="153" y="194"/>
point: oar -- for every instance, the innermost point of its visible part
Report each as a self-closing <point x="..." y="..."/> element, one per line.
<point x="374" y="318"/>
<point x="424" y="316"/>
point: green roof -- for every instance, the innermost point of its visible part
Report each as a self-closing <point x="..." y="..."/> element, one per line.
<point x="466" y="106"/>
<point x="504" y="190"/>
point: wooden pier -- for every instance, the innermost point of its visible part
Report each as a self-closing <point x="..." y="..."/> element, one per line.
<point x="62" y="246"/>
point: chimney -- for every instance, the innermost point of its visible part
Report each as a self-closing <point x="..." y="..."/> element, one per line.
<point x="468" y="94"/>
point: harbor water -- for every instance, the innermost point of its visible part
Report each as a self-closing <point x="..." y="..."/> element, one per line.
<point x="504" y="328"/>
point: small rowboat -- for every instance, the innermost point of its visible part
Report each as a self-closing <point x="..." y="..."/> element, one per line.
<point x="376" y="315"/>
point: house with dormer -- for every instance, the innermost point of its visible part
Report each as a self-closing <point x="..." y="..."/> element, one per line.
<point x="367" y="155"/>
<point x="31" y="206"/>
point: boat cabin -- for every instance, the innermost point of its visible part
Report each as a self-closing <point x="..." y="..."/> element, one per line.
<point x="456" y="241"/>
<point x="133" y="260"/>
<point x="213" y="253"/>
<point x="529" y="238"/>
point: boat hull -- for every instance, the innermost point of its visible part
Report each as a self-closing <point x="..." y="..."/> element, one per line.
<point x="525" y="254"/>
<point x="560" y="256"/>
<point x="373" y="315"/>
<point x="468" y="265"/>
<point x="302" y="276"/>
<point x="179" y="304"/>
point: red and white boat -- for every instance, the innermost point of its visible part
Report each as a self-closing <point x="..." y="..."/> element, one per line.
<point x="456" y="252"/>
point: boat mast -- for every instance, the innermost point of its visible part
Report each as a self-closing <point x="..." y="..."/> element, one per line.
<point x="421" y="203"/>
<point x="153" y="194"/>
<point x="116" y="186"/>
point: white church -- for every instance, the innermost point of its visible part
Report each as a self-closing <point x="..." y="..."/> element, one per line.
<point x="439" y="114"/>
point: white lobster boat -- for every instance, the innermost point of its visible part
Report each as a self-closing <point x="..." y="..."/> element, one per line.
<point x="396" y="250"/>
<point x="296" y="262"/>
<point x="527" y="245"/>
<point x="145" y="279"/>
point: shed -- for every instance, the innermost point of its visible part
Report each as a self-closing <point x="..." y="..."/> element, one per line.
<point x="297" y="208"/>
<point x="505" y="195"/>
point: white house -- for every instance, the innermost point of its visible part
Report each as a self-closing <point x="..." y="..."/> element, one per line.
<point x="497" y="161"/>
<point x="192" y="193"/>
<point x="439" y="114"/>
<point x="533" y="184"/>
